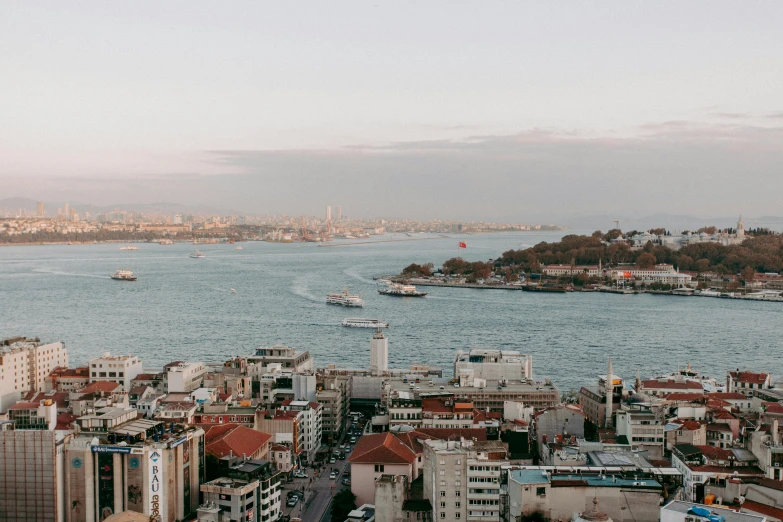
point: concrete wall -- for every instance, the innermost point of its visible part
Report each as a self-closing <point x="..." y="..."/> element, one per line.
<point x="363" y="479"/>
<point x="621" y="504"/>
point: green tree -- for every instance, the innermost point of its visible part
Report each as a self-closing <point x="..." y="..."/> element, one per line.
<point x="343" y="503"/>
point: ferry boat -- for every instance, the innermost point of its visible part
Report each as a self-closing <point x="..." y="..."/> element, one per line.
<point x="345" y="299"/>
<point x="165" y="242"/>
<point x="400" y="290"/>
<point x="198" y="255"/>
<point x="359" y="322"/>
<point x="123" y="275"/>
<point x="129" y="248"/>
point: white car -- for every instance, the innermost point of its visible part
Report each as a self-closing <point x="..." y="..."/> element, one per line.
<point x="300" y="474"/>
<point x="333" y="475"/>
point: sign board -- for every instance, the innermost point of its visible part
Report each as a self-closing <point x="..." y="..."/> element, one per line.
<point x="177" y="442"/>
<point x="110" y="449"/>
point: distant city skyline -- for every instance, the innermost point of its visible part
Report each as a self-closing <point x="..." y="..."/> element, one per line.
<point x="509" y="112"/>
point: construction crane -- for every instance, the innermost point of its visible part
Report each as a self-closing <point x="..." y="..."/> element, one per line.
<point x="616" y="223"/>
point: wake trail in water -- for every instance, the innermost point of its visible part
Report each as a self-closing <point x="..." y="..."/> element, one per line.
<point x="299" y="287"/>
<point x="353" y="272"/>
<point x="73" y="274"/>
<point x="441" y="298"/>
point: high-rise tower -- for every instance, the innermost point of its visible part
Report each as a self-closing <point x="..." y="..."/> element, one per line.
<point x="609" y="395"/>
<point x="379" y="353"/>
<point x="328" y="212"/>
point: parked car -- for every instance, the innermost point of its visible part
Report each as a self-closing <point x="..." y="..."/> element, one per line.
<point x="332" y="460"/>
<point x="346" y="481"/>
<point x="300" y="474"/>
<point x="341" y="456"/>
<point x="333" y="475"/>
<point x="292" y="501"/>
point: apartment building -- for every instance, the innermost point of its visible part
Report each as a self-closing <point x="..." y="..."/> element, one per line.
<point x="121" y="369"/>
<point x="25" y="365"/>
<point x="462" y="479"/>
<point x="642" y="429"/>
<point x="183" y="377"/>
<point x="250" y="490"/>
<point x="311" y="425"/>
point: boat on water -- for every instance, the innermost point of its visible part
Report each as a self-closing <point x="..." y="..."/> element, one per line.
<point x="123" y="275"/>
<point x="165" y="242"/>
<point x="359" y="322"/>
<point x="198" y="255"/>
<point x="129" y="248"/>
<point x="345" y="299"/>
<point x="233" y="291"/>
<point x="238" y="247"/>
<point x="400" y="290"/>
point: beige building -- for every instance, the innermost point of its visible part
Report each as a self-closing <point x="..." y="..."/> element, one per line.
<point x="121" y="369"/>
<point x="462" y="479"/>
<point x="25" y="365"/>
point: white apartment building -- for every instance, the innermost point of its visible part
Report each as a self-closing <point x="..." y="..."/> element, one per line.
<point x="494" y="365"/>
<point x="115" y="368"/>
<point x="286" y="356"/>
<point x="311" y="426"/>
<point x="25" y="365"/>
<point x="183" y="377"/>
<point x="572" y="270"/>
<point x="462" y="479"/>
<point x="642" y="429"/>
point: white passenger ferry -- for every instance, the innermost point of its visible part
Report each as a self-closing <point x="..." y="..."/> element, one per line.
<point x="360" y="322"/>
<point x="198" y="255"/>
<point x="345" y="299"/>
<point x="123" y="275"/>
<point x="129" y="248"/>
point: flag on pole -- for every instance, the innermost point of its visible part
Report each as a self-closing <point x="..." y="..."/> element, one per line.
<point x="462" y="244"/>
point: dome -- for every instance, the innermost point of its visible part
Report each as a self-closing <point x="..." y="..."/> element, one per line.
<point x="594" y="515"/>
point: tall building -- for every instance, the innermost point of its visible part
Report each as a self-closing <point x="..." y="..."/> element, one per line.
<point x="32" y="466"/>
<point x="379" y="353"/>
<point x="339" y="213"/>
<point x="141" y="465"/>
<point x="67" y="211"/>
<point x="462" y="478"/>
<point x="249" y="490"/>
<point x="25" y="365"/>
<point x="328" y="213"/>
<point x="40" y="209"/>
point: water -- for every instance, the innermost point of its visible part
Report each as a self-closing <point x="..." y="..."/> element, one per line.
<point x="182" y="308"/>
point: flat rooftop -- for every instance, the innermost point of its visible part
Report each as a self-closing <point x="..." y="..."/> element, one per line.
<point x="596" y="480"/>
<point x="679" y="506"/>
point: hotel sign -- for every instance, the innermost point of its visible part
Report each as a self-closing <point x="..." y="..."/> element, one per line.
<point x="155" y="470"/>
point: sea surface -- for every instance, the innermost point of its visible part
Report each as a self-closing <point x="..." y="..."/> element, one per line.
<point x="183" y="308"/>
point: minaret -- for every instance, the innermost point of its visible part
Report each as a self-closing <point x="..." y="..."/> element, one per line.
<point x="609" y="395"/>
<point x="740" y="227"/>
<point x="379" y="353"/>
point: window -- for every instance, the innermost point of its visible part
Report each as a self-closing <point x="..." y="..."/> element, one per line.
<point x="101" y="374"/>
<point x="442" y="462"/>
<point x="541" y="492"/>
<point x="442" y="482"/>
<point x="458" y="493"/>
<point x="442" y="493"/>
<point x="456" y="504"/>
<point x="442" y="515"/>
<point x="379" y="468"/>
<point x="112" y="374"/>
<point x="442" y="472"/>
<point x="457" y="514"/>
<point x="442" y="505"/>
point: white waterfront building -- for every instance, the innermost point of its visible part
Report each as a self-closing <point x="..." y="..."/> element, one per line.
<point x="24" y="366"/>
<point x="494" y="365"/>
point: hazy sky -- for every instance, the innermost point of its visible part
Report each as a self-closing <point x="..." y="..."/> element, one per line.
<point x="502" y="110"/>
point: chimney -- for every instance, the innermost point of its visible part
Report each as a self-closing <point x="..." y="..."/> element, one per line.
<point x="609" y="395"/>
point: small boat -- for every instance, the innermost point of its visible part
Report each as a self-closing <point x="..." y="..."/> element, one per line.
<point x="400" y="290"/>
<point x="165" y="242"/>
<point x="345" y="299"/>
<point x="129" y="248"/>
<point x="233" y="291"/>
<point x="198" y="255"/>
<point x="359" y="322"/>
<point x="238" y="248"/>
<point x="123" y="275"/>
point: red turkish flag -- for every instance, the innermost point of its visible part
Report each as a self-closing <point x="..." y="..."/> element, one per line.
<point x="462" y="244"/>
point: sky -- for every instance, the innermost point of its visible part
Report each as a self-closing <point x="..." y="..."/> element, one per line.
<point x="458" y="110"/>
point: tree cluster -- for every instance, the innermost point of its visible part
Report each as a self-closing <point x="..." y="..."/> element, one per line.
<point x="473" y="271"/>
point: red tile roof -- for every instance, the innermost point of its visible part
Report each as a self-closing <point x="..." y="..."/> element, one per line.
<point x="240" y="440"/>
<point x="771" y="484"/>
<point x="690" y="425"/>
<point x="655" y="384"/>
<point x="773" y="407"/>
<point x="65" y="421"/>
<point x="719" y="427"/>
<point x="61" y="398"/>
<point x="217" y="430"/>
<point x="727" y="396"/>
<point x="24" y="406"/>
<point x="751" y="377"/>
<point x="685" y="396"/>
<point x="61" y="372"/>
<point x="146" y="377"/>
<point x="100" y="387"/>
<point x="762" y="509"/>
<point x="381" y="448"/>
<point x="714" y="452"/>
<point x="279" y="447"/>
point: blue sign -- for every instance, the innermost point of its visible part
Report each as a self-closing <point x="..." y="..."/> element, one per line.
<point x="178" y="442"/>
<point x="110" y="449"/>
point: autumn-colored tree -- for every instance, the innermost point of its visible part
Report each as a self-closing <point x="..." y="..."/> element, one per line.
<point x="747" y="274"/>
<point x="685" y="262"/>
<point x="702" y="265"/>
<point x="646" y="260"/>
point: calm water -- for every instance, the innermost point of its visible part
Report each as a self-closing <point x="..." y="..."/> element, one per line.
<point x="182" y="308"/>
